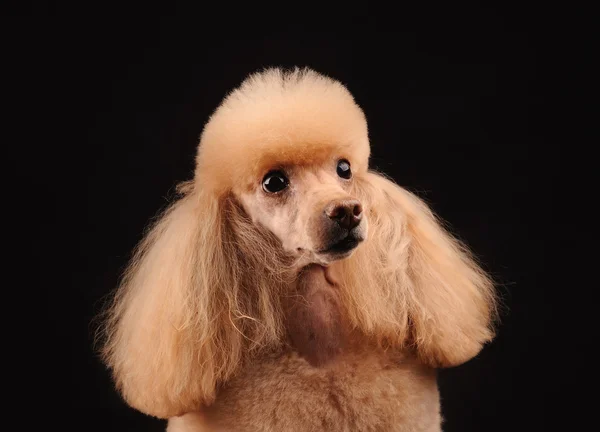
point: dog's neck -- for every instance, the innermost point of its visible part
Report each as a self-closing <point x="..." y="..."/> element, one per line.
<point x="314" y="317"/>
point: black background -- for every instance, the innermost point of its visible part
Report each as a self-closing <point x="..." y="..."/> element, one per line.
<point x="462" y="106"/>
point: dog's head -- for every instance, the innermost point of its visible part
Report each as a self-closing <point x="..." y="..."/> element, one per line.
<point x="282" y="181"/>
<point x="289" y="147"/>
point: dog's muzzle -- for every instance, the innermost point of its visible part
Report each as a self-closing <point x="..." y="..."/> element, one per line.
<point x="342" y="220"/>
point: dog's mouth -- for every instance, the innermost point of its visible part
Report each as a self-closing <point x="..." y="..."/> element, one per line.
<point x="343" y="246"/>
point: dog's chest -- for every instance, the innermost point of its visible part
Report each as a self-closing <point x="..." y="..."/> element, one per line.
<point x="366" y="392"/>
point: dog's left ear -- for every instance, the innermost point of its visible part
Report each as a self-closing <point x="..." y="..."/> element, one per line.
<point x="448" y="300"/>
<point x="179" y="322"/>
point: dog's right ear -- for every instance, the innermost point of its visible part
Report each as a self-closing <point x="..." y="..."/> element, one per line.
<point x="168" y="335"/>
<point x="413" y="284"/>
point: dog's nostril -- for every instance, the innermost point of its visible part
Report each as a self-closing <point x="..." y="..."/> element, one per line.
<point x="337" y="212"/>
<point x="357" y="211"/>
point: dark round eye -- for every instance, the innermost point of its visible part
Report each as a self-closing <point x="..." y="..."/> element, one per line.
<point x="275" y="181"/>
<point x="343" y="169"/>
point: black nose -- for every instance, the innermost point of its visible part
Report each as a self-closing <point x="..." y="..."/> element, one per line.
<point x="346" y="214"/>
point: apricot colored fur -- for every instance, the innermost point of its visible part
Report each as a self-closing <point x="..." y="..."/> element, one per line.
<point x="203" y="329"/>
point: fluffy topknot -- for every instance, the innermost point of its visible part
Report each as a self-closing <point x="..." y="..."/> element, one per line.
<point x="280" y="117"/>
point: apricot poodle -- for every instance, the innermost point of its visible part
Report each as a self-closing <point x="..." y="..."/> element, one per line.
<point x="290" y="287"/>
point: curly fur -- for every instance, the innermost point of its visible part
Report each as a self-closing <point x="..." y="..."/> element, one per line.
<point x="201" y="304"/>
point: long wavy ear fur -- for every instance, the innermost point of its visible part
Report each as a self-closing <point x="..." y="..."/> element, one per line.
<point x="414" y="284"/>
<point x="183" y="319"/>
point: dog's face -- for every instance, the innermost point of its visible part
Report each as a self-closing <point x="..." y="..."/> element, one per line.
<point x="310" y="208"/>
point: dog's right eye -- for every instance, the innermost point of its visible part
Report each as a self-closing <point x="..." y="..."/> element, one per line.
<point x="275" y="181"/>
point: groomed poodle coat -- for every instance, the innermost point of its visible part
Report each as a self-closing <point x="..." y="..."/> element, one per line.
<point x="290" y="287"/>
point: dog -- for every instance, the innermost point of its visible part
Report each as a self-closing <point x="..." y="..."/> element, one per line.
<point x="291" y="287"/>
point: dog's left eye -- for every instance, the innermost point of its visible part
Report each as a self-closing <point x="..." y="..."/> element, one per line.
<point x="343" y="169"/>
<point x="275" y="181"/>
